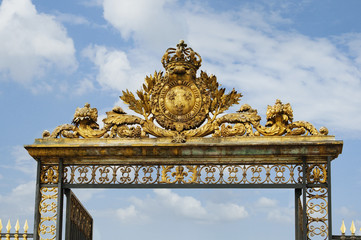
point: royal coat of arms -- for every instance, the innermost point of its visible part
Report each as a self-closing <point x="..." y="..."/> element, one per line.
<point x="183" y="105"/>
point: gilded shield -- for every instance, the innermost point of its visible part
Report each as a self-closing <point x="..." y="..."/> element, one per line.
<point x="180" y="105"/>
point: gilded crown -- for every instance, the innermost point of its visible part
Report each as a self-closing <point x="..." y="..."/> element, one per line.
<point x="181" y="56"/>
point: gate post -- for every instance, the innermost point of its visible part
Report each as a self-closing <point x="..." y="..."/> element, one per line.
<point x="48" y="202"/>
<point x="304" y="200"/>
<point x="37" y="202"/>
<point x="329" y="198"/>
<point x="317" y="200"/>
<point x="59" y="220"/>
<point x="298" y="214"/>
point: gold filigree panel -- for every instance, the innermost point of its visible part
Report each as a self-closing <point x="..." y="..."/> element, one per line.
<point x="183" y="174"/>
<point x="317" y="213"/>
<point x="48" y="213"/>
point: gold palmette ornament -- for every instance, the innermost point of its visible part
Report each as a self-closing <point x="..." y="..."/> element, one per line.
<point x="181" y="105"/>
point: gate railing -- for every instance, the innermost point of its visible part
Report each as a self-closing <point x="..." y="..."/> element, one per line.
<point x="343" y="235"/>
<point x="15" y="235"/>
<point x="79" y="223"/>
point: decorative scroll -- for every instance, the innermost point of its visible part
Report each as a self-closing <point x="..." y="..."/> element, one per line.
<point x="317" y="173"/>
<point x="317" y="213"/>
<point x="183" y="174"/>
<point x="49" y="174"/>
<point x="48" y="213"/>
<point x="81" y="222"/>
<point x="179" y="174"/>
<point x="180" y="105"/>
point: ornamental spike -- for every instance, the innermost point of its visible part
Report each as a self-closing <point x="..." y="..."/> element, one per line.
<point x="17" y="226"/>
<point x="343" y="227"/>
<point x="353" y="228"/>
<point x="26" y="226"/>
<point x="8" y="226"/>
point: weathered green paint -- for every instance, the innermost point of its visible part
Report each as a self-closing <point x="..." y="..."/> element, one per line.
<point x="200" y="150"/>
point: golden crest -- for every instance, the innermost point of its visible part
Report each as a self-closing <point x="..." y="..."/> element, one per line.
<point x="180" y="102"/>
<point x="184" y="106"/>
<point x="180" y="105"/>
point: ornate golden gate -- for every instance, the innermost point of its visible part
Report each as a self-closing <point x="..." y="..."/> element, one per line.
<point x="79" y="223"/>
<point x="135" y="152"/>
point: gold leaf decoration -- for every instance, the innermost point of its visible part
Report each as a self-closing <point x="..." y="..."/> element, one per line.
<point x="179" y="105"/>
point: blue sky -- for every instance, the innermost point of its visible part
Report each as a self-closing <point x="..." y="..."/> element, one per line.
<point x="57" y="55"/>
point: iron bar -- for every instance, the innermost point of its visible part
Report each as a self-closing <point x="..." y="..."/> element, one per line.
<point x="59" y="220"/>
<point x="341" y="237"/>
<point x="304" y="200"/>
<point x="20" y="235"/>
<point x="329" y="197"/>
<point x="67" y="216"/>
<point x="194" y="185"/>
<point x="298" y="193"/>
<point x="37" y="201"/>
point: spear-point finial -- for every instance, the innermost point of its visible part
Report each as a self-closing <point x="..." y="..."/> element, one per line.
<point x="343" y="227"/>
<point x="8" y="226"/>
<point x="26" y="226"/>
<point x="17" y="226"/>
<point x="353" y="228"/>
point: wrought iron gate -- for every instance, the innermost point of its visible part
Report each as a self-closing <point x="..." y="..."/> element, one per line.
<point x="167" y="148"/>
<point x="79" y="223"/>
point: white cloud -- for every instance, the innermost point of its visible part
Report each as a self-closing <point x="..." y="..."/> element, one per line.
<point x="167" y="202"/>
<point x="346" y="212"/>
<point x="23" y="161"/>
<point x="71" y="18"/>
<point x="114" y="67"/>
<point x="252" y="53"/>
<point x="187" y="206"/>
<point x="84" y="195"/>
<point x="266" y="202"/>
<point x="153" y="24"/>
<point x="226" y="212"/>
<point x="92" y="3"/>
<point x="130" y="215"/>
<point x="306" y="72"/>
<point x="19" y="202"/>
<point x="281" y="215"/>
<point x="32" y="43"/>
<point x="84" y="86"/>
<point x="116" y="71"/>
<point x="274" y="212"/>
